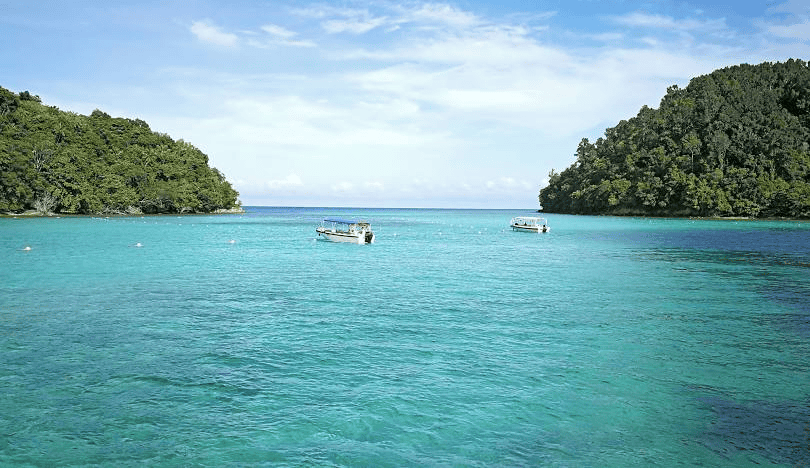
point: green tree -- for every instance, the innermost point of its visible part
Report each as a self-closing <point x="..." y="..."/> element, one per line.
<point x="734" y="142"/>
<point x="69" y="163"/>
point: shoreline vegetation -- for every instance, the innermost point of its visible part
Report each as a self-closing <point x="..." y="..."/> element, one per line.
<point x="696" y="218"/>
<point x="63" y="163"/>
<point x="732" y="144"/>
<point x="39" y="214"/>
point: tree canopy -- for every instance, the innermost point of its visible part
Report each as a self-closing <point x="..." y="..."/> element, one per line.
<point x="735" y="142"/>
<point x="56" y="161"/>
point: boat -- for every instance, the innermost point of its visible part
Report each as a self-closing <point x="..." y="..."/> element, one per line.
<point x="346" y="230"/>
<point x="529" y="224"/>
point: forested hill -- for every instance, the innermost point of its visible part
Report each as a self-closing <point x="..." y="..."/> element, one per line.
<point x="732" y="143"/>
<point x="62" y="162"/>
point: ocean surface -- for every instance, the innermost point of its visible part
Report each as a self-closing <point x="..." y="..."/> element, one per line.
<point x="241" y="340"/>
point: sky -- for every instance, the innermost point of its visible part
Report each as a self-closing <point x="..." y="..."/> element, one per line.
<point x="376" y="103"/>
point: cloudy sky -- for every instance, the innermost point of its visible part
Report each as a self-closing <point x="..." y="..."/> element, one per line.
<point x="380" y="103"/>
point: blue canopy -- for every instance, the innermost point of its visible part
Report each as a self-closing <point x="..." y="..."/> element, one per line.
<point x="342" y="221"/>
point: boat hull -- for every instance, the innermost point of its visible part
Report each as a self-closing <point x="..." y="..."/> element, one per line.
<point x="530" y="228"/>
<point x="349" y="237"/>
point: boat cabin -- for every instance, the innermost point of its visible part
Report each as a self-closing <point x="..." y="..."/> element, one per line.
<point x="529" y="224"/>
<point x="346" y="230"/>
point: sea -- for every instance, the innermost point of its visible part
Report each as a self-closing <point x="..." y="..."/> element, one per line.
<point x="242" y="340"/>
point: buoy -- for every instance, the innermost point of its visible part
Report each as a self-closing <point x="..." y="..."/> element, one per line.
<point x="232" y="241"/>
<point x="138" y="245"/>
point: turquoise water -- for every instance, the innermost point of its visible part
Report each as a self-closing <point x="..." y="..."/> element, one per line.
<point x="240" y="340"/>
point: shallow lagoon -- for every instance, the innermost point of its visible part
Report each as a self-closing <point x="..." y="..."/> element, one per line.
<point x="238" y="340"/>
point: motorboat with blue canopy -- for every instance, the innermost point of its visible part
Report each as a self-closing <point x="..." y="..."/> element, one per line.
<point x="354" y="231"/>
<point x="529" y="224"/>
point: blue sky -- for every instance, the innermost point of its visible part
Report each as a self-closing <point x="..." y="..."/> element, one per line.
<point x="464" y="104"/>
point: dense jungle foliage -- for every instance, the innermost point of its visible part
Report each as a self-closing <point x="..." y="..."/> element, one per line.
<point x="62" y="162"/>
<point x="732" y="143"/>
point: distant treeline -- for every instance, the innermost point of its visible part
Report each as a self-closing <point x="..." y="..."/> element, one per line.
<point x="62" y="162"/>
<point x="735" y="142"/>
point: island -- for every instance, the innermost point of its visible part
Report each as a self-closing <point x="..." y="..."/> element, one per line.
<point x="733" y="143"/>
<point x="52" y="161"/>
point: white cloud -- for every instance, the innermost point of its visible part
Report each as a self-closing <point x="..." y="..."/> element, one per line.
<point x="608" y="37"/>
<point x="211" y="34"/>
<point x="793" y="7"/>
<point x="445" y="14"/>
<point x="507" y="184"/>
<point x="450" y="101"/>
<point x="343" y="187"/>
<point x="339" y="20"/>
<point x="354" y="26"/>
<point x="291" y="181"/>
<point x="788" y="21"/>
<point x="359" y="21"/>
<point x="279" y="36"/>
<point x="799" y="31"/>
<point x="273" y="42"/>
<point x="278" y="31"/>
<point x="322" y="11"/>
<point x="295" y="120"/>
<point x="493" y="45"/>
<point x="646" y="20"/>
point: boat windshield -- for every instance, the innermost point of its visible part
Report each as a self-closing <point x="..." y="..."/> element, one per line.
<point x="529" y="221"/>
<point x="346" y="223"/>
<point x="341" y="221"/>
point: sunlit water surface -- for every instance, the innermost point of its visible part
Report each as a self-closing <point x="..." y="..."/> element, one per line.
<point x="241" y="340"/>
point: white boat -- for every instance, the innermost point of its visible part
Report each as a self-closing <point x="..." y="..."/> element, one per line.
<point x="529" y="224"/>
<point x="346" y="230"/>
